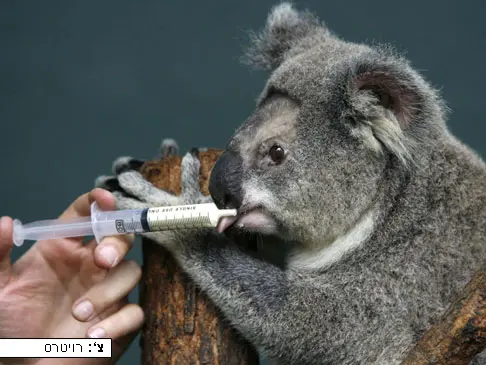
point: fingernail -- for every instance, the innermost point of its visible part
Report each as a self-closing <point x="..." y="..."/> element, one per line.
<point x="97" y="333"/>
<point x="3" y="227"/>
<point x="84" y="310"/>
<point x="3" y="222"/>
<point x="109" y="254"/>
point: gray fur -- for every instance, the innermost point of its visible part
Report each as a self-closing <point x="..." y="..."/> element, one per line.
<point x="371" y="174"/>
<point x="134" y="184"/>
<point x="287" y="32"/>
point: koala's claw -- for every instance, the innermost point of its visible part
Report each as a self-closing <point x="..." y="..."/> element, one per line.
<point x="169" y="147"/>
<point x="126" y="163"/>
<point x="119" y="166"/>
<point x="109" y="183"/>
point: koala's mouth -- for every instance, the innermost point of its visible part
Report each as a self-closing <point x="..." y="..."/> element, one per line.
<point x="255" y="219"/>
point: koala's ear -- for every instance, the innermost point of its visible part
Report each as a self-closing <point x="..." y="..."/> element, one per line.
<point x="392" y="90"/>
<point x="286" y="28"/>
<point x="390" y="105"/>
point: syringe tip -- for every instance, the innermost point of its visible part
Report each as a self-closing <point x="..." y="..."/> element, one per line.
<point x="228" y="212"/>
<point x="18" y="233"/>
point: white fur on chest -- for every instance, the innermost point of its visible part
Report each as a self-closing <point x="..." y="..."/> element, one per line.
<point x="325" y="256"/>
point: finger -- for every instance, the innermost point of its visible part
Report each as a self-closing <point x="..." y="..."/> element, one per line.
<point x="6" y="244"/>
<point x="112" y="249"/>
<point x="118" y="283"/>
<point x="81" y="207"/>
<point x="128" y="320"/>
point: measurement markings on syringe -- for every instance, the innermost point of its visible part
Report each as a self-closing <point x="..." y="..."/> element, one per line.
<point x="182" y="218"/>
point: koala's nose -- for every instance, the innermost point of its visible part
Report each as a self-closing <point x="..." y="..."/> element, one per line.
<point x="225" y="181"/>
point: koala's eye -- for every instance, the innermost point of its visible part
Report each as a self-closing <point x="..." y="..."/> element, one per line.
<point x="277" y="154"/>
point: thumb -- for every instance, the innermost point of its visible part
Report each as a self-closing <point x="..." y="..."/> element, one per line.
<point x="6" y="243"/>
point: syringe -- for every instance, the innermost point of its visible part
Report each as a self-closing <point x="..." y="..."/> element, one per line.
<point x="107" y="223"/>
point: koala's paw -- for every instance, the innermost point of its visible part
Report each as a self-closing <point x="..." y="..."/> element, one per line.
<point x="133" y="191"/>
<point x="168" y="147"/>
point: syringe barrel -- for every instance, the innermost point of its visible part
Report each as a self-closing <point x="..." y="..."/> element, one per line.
<point x="181" y="216"/>
<point x="155" y="219"/>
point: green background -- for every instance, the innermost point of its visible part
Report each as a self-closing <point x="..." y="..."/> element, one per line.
<point x="83" y="82"/>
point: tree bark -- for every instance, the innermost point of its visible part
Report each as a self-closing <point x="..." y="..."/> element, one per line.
<point x="182" y="326"/>
<point x="461" y="332"/>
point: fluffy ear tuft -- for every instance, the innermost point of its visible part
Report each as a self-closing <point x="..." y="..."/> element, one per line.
<point x="285" y="28"/>
<point x="392" y="92"/>
<point x="388" y="104"/>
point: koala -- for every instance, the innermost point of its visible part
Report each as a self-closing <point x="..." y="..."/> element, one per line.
<point x="347" y="170"/>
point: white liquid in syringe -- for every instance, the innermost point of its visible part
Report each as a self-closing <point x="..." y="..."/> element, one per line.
<point x="178" y="217"/>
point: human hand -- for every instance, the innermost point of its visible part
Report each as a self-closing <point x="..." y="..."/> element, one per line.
<point x="62" y="288"/>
